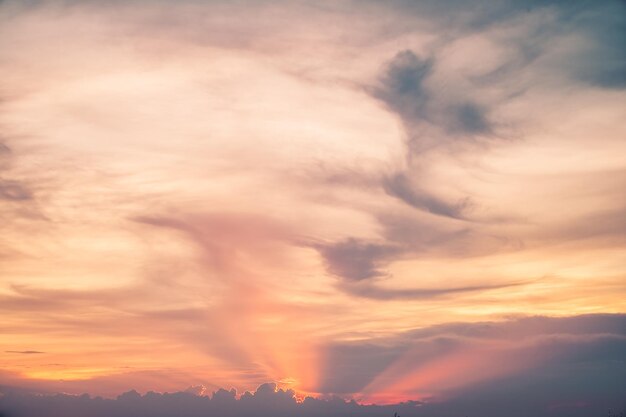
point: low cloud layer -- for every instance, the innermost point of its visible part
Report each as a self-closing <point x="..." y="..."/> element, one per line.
<point x="542" y="366"/>
<point x="266" y="401"/>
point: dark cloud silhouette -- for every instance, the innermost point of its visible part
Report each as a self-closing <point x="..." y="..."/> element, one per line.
<point x="402" y="85"/>
<point x="266" y="401"/>
<point x="25" y="352"/>
<point x="404" y="90"/>
<point x="356" y="260"/>
<point x="470" y="118"/>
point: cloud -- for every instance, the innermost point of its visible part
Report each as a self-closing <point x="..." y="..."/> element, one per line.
<point x="446" y="113"/>
<point x="266" y="401"/>
<point x="375" y="292"/>
<point x="355" y="260"/>
<point x="400" y="186"/>
<point x="402" y="86"/>
<point x="470" y="118"/>
<point x="25" y="352"/>
<point x="359" y="266"/>
<point x="229" y="205"/>
<point x="14" y="191"/>
<point x="458" y="361"/>
<point x="544" y="366"/>
<point x="602" y="60"/>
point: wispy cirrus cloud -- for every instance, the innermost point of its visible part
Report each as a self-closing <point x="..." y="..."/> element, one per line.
<point x="232" y="194"/>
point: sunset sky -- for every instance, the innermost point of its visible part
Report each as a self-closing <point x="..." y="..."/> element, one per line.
<point x="381" y="200"/>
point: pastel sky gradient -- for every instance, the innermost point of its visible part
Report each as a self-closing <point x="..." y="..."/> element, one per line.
<point x="384" y="201"/>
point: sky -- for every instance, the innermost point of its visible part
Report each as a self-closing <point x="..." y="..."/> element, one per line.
<point x="404" y="202"/>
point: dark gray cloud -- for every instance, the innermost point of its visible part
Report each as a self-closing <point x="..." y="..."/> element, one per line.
<point x="470" y="118"/>
<point x="402" y="86"/>
<point x="266" y="401"/>
<point x="356" y="260"/>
